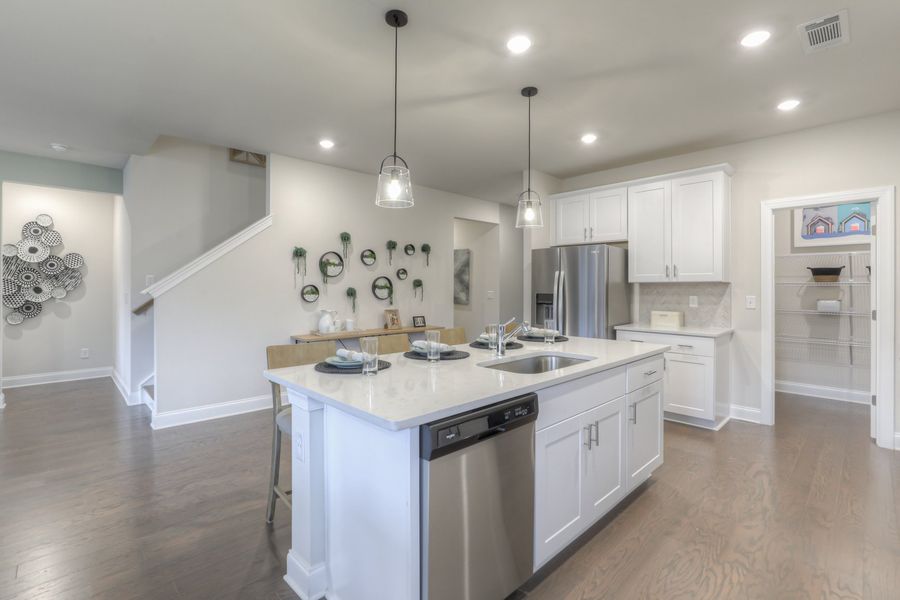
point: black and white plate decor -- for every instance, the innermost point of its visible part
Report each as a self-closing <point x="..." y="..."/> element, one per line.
<point x="402" y="274"/>
<point x="368" y="257"/>
<point x="32" y="275"/>
<point x="409" y="249"/>
<point x="383" y="288"/>
<point x="309" y="293"/>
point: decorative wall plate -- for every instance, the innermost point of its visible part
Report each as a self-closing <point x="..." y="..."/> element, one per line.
<point x="59" y="293"/>
<point x="409" y="249"/>
<point x="368" y="257"/>
<point x="29" y="310"/>
<point x="10" y="250"/>
<point x="382" y="288"/>
<point x="402" y="274"/>
<point x="10" y="286"/>
<point x="73" y="260"/>
<point x="32" y="250"/>
<point x="39" y="292"/>
<point x="44" y="220"/>
<point x="11" y="265"/>
<point x="51" y="265"/>
<point x="331" y="264"/>
<point x="52" y="238"/>
<point x="14" y="300"/>
<point x="27" y="276"/>
<point x="32" y="229"/>
<point x="15" y="318"/>
<point x="309" y="293"/>
<point x="69" y="279"/>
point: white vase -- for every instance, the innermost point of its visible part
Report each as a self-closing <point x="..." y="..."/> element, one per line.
<point x="326" y="321"/>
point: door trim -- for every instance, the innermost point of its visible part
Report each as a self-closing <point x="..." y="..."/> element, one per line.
<point x="884" y="247"/>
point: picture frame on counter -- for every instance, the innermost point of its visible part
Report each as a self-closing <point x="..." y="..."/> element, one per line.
<point x="392" y="318"/>
<point x="419" y="321"/>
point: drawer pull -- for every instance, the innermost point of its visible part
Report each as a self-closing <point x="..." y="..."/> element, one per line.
<point x="590" y="438"/>
<point x="649" y="373"/>
<point x="685" y="346"/>
<point x="634" y="413"/>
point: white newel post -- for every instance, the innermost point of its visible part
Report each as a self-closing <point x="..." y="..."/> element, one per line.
<point x="307" y="572"/>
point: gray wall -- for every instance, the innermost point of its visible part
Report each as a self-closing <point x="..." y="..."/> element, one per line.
<point x="483" y="242"/>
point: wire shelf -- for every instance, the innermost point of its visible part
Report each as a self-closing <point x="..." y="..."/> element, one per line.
<point x="827" y="352"/>
<point x="822" y="326"/>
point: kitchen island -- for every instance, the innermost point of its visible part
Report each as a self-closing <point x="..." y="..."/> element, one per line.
<point x="356" y="468"/>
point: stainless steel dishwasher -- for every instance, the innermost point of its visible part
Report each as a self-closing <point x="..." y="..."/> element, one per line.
<point x="478" y="502"/>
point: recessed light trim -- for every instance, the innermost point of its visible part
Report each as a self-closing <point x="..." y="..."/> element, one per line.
<point x="789" y="104"/>
<point x="518" y="44"/>
<point x="56" y="146"/>
<point x="755" y="38"/>
<point x="326" y="144"/>
<point x="589" y="138"/>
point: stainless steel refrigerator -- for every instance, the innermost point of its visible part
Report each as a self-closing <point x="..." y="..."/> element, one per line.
<point x="584" y="289"/>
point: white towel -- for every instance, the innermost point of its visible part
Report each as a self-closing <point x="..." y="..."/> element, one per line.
<point x="538" y="332"/>
<point x="352" y="355"/>
<point x="423" y="346"/>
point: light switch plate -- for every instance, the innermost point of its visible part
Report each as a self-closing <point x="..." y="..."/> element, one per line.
<point x="692" y="302"/>
<point x="751" y="302"/>
<point x="491" y="294"/>
<point x="149" y="280"/>
<point x="85" y="353"/>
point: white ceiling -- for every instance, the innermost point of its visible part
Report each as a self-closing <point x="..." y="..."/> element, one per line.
<point x="651" y="77"/>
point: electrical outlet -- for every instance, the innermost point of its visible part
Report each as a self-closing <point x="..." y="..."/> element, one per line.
<point x="491" y="294"/>
<point x="149" y="280"/>
<point x="85" y="353"/>
<point x="751" y="302"/>
<point x="692" y="302"/>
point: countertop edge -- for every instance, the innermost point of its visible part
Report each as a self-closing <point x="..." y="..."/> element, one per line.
<point x="647" y="351"/>
<point x="710" y="332"/>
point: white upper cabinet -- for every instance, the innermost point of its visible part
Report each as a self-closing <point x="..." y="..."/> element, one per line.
<point x="678" y="227"/>
<point x="592" y="217"/>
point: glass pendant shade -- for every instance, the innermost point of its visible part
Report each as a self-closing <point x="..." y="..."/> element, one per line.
<point x="528" y="211"/>
<point x="394" y="187"/>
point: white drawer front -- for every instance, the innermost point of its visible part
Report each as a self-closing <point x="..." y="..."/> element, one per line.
<point x="574" y="397"/>
<point x="645" y="372"/>
<point x="683" y="344"/>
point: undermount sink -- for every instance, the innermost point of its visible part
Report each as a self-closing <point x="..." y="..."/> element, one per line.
<point x="536" y="363"/>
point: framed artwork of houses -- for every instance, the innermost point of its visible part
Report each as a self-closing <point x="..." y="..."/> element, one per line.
<point x="835" y="225"/>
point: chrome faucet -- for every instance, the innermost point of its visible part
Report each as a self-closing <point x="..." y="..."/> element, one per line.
<point x="503" y="337"/>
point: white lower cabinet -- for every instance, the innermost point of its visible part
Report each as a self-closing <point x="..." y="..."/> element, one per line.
<point x="583" y="462"/>
<point x="690" y="382"/>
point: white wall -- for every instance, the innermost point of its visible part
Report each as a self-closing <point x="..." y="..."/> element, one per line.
<point x="483" y="241"/>
<point x="121" y="296"/>
<point x="182" y="199"/>
<point x="512" y="264"/>
<point x="51" y="342"/>
<point x="212" y="329"/>
<point x="842" y="156"/>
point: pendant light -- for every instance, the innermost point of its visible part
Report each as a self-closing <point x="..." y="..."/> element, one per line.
<point x="528" y="211"/>
<point x="394" y="186"/>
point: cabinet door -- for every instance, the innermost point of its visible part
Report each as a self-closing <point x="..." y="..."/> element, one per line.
<point x="558" y="507"/>
<point x="644" y="448"/>
<point x="608" y="216"/>
<point x="698" y="227"/>
<point x="649" y="232"/>
<point x="572" y="219"/>
<point x="604" y="461"/>
<point x="690" y="385"/>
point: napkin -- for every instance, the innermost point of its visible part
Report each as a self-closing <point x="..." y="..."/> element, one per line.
<point x="423" y="346"/>
<point x="538" y="332"/>
<point x="352" y="355"/>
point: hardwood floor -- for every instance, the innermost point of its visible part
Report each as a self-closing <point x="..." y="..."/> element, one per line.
<point x="94" y="504"/>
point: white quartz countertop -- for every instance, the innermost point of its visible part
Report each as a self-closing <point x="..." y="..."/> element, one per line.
<point x="712" y="332"/>
<point x="414" y="392"/>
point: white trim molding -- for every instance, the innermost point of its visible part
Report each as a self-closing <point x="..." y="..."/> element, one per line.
<point x="121" y="385"/>
<point x="207" y="412"/>
<point x="16" y="381"/>
<point x="310" y="583"/>
<point x="204" y="260"/>
<point x="746" y="413"/>
<point x="884" y="247"/>
<point x="823" y="391"/>
<point x="897" y="440"/>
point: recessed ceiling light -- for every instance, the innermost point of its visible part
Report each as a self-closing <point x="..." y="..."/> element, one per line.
<point x="327" y="144"/>
<point x="589" y="138"/>
<point x="755" y="38"/>
<point x="59" y="147"/>
<point x="518" y="44"/>
<point x="790" y="104"/>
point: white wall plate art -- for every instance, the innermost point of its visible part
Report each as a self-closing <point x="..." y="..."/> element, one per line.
<point x="32" y="276"/>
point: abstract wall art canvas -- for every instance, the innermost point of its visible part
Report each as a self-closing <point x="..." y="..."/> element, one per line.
<point x="462" y="266"/>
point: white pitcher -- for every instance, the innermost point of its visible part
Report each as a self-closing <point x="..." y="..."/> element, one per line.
<point x="326" y="321"/>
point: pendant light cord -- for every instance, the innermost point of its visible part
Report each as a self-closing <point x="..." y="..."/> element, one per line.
<point x="396" y="37"/>
<point x="529" y="146"/>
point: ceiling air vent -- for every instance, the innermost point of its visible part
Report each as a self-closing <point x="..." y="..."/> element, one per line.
<point x="825" y="32"/>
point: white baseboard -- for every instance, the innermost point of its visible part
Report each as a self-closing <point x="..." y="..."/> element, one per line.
<point x="310" y="583"/>
<point x="173" y="418"/>
<point x="897" y="440"/>
<point x="15" y="381"/>
<point x="746" y="413"/>
<point x="121" y="386"/>
<point x="823" y="391"/>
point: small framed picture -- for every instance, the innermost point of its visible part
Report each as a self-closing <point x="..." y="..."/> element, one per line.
<point x="419" y="321"/>
<point x="392" y="318"/>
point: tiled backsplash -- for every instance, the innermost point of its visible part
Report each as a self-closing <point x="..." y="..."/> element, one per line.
<point x="714" y="302"/>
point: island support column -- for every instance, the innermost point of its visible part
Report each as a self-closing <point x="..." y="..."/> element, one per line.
<point x="307" y="571"/>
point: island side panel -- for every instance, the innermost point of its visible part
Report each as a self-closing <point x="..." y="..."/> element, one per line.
<point x="373" y="504"/>
<point x="307" y="572"/>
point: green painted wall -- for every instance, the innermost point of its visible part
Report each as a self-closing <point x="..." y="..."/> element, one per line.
<point x="23" y="168"/>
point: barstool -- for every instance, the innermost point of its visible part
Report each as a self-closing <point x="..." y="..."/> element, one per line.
<point x="277" y="357"/>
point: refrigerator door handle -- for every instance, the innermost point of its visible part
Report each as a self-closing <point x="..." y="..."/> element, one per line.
<point x="555" y="312"/>
<point x="561" y="317"/>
